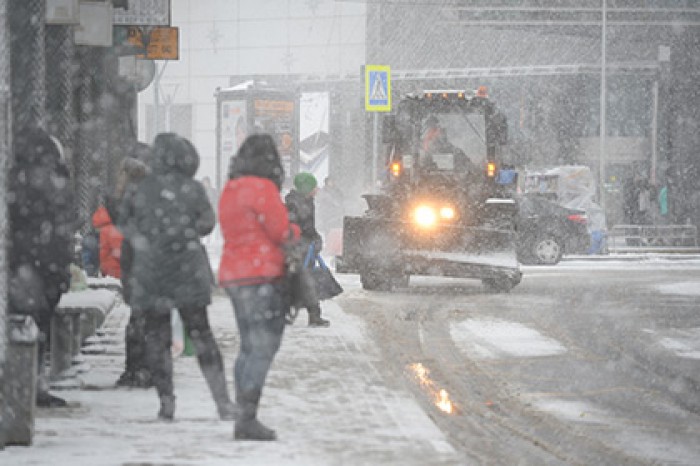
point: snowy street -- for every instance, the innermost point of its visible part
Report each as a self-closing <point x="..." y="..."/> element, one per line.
<point x="588" y="362"/>
<point x="437" y="373"/>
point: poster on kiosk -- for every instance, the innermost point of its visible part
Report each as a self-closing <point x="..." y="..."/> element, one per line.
<point x="244" y="110"/>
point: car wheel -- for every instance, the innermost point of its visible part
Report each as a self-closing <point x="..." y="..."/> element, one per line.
<point x="547" y="250"/>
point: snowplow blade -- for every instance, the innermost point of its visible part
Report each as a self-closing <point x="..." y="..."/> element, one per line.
<point x="372" y="244"/>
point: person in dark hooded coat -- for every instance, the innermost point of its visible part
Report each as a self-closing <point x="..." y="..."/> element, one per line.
<point x="43" y="222"/>
<point x="163" y="218"/>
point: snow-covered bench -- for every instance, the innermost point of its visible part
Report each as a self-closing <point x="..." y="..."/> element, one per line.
<point x="78" y="315"/>
<point x="109" y="283"/>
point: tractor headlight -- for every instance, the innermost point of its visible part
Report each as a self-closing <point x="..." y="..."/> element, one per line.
<point x="447" y="213"/>
<point x="425" y="216"/>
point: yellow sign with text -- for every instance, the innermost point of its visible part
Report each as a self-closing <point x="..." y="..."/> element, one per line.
<point x="160" y="43"/>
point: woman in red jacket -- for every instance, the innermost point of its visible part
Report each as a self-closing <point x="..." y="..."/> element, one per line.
<point x="110" y="243"/>
<point x="255" y="226"/>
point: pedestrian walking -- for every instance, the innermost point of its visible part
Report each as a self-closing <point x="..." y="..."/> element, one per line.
<point x="136" y="372"/>
<point x="164" y="217"/>
<point x="43" y="222"/>
<point x="255" y="226"/>
<point x="110" y="240"/>
<point x="300" y="203"/>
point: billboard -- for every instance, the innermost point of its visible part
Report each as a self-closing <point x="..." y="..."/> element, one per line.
<point x="314" y="140"/>
<point x="276" y="117"/>
<point x="242" y="111"/>
<point x="234" y="129"/>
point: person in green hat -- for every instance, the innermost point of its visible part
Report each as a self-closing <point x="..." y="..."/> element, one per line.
<point x="302" y="211"/>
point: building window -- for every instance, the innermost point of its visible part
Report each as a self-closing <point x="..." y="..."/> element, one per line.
<point x="172" y="118"/>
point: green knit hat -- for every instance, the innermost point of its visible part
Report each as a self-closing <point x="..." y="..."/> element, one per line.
<point x="305" y="182"/>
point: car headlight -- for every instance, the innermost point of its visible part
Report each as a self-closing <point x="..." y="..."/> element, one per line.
<point x="425" y="216"/>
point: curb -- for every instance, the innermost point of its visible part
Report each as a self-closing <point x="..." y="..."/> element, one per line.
<point x="632" y="257"/>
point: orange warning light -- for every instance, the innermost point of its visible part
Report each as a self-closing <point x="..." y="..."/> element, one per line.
<point x="491" y="169"/>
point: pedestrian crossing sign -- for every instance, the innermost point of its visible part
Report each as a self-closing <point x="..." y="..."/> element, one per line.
<point x="377" y="88"/>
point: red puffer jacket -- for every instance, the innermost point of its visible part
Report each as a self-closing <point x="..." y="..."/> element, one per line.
<point x="255" y="224"/>
<point x="110" y="243"/>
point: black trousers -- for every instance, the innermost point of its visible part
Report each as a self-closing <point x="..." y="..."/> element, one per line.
<point x="159" y="341"/>
<point x="135" y="338"/>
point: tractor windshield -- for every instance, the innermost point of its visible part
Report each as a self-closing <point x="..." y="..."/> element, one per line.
<point x="453" y="140"/>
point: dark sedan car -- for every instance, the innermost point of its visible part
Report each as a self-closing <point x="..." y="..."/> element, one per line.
<point x="547" y="230"/>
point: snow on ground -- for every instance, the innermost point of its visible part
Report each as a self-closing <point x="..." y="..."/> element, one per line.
<point x="681" y="288"/>
<point x="627" y="261"/>
<point x="324" y="396"/>
<point x="570" y="410"/>
<point x="486" y="338"/>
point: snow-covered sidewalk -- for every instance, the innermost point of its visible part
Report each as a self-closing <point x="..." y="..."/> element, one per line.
<point x="324" y="396"/>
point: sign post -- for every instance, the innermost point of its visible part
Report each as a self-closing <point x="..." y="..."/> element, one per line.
<point x="377" y="99"/>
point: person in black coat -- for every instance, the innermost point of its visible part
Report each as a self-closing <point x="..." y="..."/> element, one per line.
<point x="43" y="221"/>
<point x="163" y="218"/>
<point x="136" y="373"/>
<point x="302" y="211"/>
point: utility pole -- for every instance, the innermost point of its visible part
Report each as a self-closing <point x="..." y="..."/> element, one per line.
<point x="156" y="97"/>
<point x="5" y="131"/>
<point x="603" y="87"/>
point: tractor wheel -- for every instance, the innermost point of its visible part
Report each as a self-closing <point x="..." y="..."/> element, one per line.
<point x="500" y="284"/>
<point x="375" y="281"/>
<point x="400" y="280"/>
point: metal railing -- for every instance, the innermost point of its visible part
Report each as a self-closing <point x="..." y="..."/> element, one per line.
<point x="653" y="238"/>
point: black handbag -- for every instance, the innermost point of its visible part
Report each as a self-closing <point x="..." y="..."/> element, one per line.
<point x="327" y="286"/>
<point x="300" y="282"/>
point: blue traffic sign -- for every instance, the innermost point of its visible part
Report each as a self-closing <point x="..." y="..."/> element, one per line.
<point x="377" y="88"/>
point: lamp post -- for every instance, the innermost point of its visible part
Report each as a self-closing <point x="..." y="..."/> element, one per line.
<point x="603" y="85"/>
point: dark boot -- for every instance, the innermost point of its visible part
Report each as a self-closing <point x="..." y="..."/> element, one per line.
<point x="212" y="367"/>
<point x="247" y="426"/>
<point x="315" y="319"/>
<point x="167" y="408"/>
<point x="228" y="411"/>
<point x="126" y="379"/>
<point x="43" y="398"/>
<point x="47" y="400"/>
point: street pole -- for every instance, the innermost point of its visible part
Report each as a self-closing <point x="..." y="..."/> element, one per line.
<point x="375" y="150"/>
<point x="156" y="101"/>
<point x="156" y="97"/>
<point x="5" y="131"/>
<point x="654" y="132"/>
<point x="603" y="86"/>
